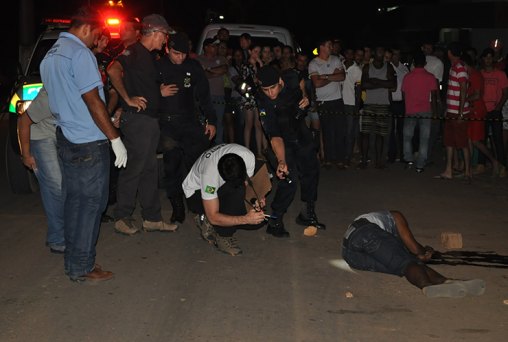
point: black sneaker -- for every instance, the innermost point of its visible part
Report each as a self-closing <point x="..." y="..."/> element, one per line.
<point x="419" y="169"/>
<point x="409" y="165"/>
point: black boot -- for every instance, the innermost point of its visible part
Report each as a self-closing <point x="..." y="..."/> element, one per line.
<point x="309" y="217"/>
<point x="178" y="209"/>
<point x="276" y="228"/>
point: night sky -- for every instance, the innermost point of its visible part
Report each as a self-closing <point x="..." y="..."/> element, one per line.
<point x="305" y="20"/>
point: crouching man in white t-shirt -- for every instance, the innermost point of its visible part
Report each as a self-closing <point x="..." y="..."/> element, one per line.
<point x="215" y="190"/>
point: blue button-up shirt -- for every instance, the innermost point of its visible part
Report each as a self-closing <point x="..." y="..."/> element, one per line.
<point x="68" y="71"/>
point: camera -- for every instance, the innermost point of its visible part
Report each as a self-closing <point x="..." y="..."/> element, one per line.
<point x="245" y="90"/>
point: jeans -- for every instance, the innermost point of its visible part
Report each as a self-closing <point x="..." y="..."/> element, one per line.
<point x="85" y="182"/>
<point x="424" y="125"/>
<point x="370" y="248"/>
<point x="49" y="175"/>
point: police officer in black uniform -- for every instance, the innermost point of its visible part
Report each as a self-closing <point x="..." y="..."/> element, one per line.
<point x="281" y="109"/>
<point x="183" y="135"/>
<point x="135" y="78"/>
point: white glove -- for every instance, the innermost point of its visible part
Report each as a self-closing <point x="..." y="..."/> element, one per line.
<point x="120" y="152"/>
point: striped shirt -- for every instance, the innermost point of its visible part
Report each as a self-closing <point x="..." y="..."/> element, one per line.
<point x="458" y="74"/>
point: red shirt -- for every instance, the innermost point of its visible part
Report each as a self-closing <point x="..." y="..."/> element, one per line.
<point x="495" y="81"/>
<point x="476" y="83"/>
<point x="417" y="86"/>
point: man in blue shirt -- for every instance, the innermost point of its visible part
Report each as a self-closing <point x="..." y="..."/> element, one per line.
<point x="70" y="74"/>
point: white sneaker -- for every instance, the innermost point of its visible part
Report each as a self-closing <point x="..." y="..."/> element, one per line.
<point x="450" y="290"/>
<point x="474" y="287"/>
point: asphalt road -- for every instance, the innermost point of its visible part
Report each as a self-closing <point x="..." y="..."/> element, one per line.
<point x="175" y="287"/>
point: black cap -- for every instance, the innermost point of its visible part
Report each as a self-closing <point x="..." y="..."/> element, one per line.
<point x="210" y="41"/>
<point x="155" y="22"/>
<point x="179" y="42"/>
<point x="268" y="76"/>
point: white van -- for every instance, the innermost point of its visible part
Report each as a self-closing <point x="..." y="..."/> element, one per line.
<point x="261" y="35"/>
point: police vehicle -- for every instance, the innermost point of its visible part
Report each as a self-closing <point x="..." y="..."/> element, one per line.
<point x="27" y="86"/>
<point x="261" y="34"/>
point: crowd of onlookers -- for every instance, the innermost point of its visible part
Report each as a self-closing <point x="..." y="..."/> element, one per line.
<point x="413" y="135"/>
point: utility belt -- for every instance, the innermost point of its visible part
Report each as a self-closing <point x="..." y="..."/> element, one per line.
<point x="353" y="227"/>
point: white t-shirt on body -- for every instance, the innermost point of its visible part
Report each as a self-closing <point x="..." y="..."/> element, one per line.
<point x="318" y="66"/>
<point x="204" y="174"/>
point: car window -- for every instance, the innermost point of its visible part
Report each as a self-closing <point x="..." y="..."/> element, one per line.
<point x="39" y="53"/>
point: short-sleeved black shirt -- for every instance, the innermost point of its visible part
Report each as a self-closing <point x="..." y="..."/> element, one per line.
<point x="279" y="116"/>
<point x="140" y="77"/>
<point x="192" y="84"/>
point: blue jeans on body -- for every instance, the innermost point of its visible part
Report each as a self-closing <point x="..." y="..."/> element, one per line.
<point x="85" y="182"/>
<point x="49" y="176"/>
<point x="370" y="248"/>
<point x="424" y="124"/>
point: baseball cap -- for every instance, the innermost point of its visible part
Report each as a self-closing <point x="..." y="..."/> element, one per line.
<point x="155" y="22"/>
<point x="268" y="76"/>
<point x="210" y="41"/>
<point x="179" y="42"/>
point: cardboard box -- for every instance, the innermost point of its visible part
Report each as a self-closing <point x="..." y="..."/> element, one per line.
<point x="261" y="185"/>
<point x="451" y="240"/>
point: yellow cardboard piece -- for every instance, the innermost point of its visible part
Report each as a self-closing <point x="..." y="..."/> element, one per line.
<point x="261" y="184"/>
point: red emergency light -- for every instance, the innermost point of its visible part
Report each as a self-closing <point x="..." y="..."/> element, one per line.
<point x="113" y="24"/>
<point x="56" y="21"/>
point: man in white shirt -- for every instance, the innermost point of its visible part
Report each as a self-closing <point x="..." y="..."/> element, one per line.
<point x="434" y="65"/>
<point x="327" y="72"/>
<point x="215" y="190"/>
